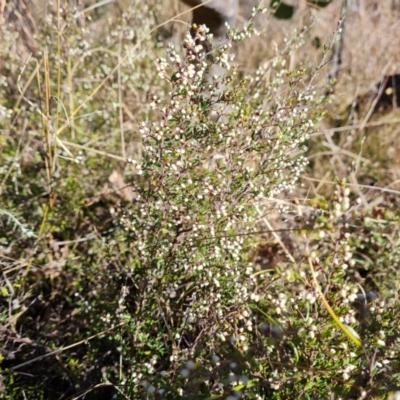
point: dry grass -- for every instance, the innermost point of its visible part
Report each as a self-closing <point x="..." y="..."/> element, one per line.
<point x="98" y="123"/>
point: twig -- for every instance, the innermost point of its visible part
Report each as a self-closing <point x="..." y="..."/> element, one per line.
<point x="62" y="349"/>
<point x="276" y="236"/>
<point x="337" y="56"/>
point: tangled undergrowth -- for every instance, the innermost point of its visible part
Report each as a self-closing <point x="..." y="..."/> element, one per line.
<point x="148" y="286"/>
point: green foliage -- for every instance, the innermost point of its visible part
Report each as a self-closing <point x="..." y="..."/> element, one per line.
<point x="281" y="10"/>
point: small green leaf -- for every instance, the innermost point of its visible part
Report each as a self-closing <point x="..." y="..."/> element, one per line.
<point x="319" y="3"/>
<point x="281" y="10"/>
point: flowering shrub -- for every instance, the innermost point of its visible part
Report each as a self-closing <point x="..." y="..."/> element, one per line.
<point x="196" y="191"/>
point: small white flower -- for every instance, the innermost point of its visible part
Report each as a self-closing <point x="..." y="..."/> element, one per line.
<point x="185" y="373"/>
<point x="215" y="358"/>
